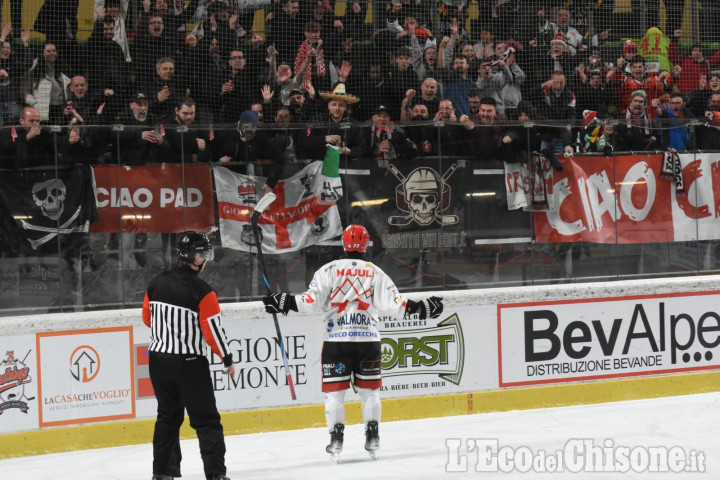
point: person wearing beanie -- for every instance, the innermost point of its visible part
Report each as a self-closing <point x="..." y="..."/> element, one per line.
<point x="249" y="145"/>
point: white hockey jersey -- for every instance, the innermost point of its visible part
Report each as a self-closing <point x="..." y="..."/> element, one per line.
<point x="352" y="293"/>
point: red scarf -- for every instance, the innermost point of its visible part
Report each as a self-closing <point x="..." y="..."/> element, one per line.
<point x="320" y="69"/>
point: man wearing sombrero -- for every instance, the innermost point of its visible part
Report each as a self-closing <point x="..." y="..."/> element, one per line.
<point x="350" y="140"/>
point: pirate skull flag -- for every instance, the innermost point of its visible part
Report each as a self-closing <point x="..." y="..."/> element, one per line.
<point x="44" y="204"/>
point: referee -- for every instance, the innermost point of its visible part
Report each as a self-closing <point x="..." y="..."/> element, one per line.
<point x="183" y="314"/>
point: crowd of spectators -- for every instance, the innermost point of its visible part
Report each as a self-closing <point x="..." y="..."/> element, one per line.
<point x="196" y="83"/>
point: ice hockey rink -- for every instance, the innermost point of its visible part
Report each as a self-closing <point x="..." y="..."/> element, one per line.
<point x="681" y="432"/>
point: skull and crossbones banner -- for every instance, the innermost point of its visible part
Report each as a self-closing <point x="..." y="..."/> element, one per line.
<point x="45" y="205"/>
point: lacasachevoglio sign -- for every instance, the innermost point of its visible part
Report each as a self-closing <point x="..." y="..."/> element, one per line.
<point x="600" y="338"/>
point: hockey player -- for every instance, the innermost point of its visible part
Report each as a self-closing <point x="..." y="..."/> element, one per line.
<point x="183" y="314"/>
<point x="352" y="293"/>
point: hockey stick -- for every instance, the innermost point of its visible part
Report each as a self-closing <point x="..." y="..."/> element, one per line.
<point x="260" y="207"/>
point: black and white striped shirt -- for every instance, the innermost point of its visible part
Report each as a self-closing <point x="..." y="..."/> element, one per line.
<point x="183" y="314"/>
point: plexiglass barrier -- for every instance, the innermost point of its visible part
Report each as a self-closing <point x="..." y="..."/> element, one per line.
<point x="90" y="214"/>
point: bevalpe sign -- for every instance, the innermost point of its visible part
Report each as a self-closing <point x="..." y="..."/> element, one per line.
<point x="592" y="339"/>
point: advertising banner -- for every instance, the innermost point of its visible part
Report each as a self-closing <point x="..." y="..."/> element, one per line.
<point x="450" y="354"/>
<point x="18" y="384"/>
<point x="85" y="376"/>
<point x="622" y="200"/>
<point x="592" y="339"/>
<point x="155" y="198"/>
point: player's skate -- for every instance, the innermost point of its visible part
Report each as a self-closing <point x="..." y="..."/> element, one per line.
<point x="336" y="442"/>
<point x="372" y="439"/>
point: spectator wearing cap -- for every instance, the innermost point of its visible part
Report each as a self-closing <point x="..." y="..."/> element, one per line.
<point x="330" y="130"/>
<point x="302" y="106"/>
<point x="640" y="131"/>
<point x="593" y="63"/>
<point x="629" y="51"/>
<point x="249" y="145"/>
<point x="692" y="66"/>
<point x="281" y="79"/>
<point x="141" y="140"/>
<point x="544" y="64"/>
<point x="592" y="94"/>
<point x="386" y="140"/>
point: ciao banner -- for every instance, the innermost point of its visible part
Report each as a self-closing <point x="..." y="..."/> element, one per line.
<point x="156" y="198"/>
<point x="623" y="200"/>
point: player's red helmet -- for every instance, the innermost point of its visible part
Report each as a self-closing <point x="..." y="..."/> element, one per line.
<point x="355" y="239"/>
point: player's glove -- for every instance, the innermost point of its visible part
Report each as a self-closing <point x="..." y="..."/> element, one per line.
<point x="279" y="303"/>
<point x="434" y="306"/>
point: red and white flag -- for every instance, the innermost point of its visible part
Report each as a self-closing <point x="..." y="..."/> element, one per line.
<point x="303" y="214"/>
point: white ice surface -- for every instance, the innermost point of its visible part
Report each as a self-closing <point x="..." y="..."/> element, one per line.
<point x="417" y="449"/>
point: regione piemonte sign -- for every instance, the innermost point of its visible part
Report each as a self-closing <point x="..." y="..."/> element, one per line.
<point x="601" y="338"/>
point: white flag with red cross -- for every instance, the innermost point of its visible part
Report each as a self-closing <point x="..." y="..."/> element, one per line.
<point x="304" y="213"/>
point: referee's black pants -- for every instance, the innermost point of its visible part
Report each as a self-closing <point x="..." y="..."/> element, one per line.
<point x="183" y="382"/>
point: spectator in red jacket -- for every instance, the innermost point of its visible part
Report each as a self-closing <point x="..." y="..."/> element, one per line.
<point x="693" y="66"/>
<point x="654" y="86"/>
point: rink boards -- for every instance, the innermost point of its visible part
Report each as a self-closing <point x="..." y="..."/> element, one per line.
<point x="76" y="381"/>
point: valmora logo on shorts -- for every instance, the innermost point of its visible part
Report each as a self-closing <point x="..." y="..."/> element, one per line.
<point x="433" y="350"/>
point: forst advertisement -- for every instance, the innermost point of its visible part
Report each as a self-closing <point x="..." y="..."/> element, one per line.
<point x="422" y="354"/>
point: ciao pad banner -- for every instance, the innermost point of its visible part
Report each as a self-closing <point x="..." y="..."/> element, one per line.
<point x="155" y="198"/>
<point x="622" y="200"/>
<point x="607" y="338"/>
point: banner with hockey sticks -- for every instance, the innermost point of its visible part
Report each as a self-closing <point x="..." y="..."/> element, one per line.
<point x="45" y="204"/>
<point x="304" y="213"/>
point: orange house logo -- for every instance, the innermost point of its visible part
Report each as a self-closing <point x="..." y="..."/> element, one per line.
<point x="84" y="364"/>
